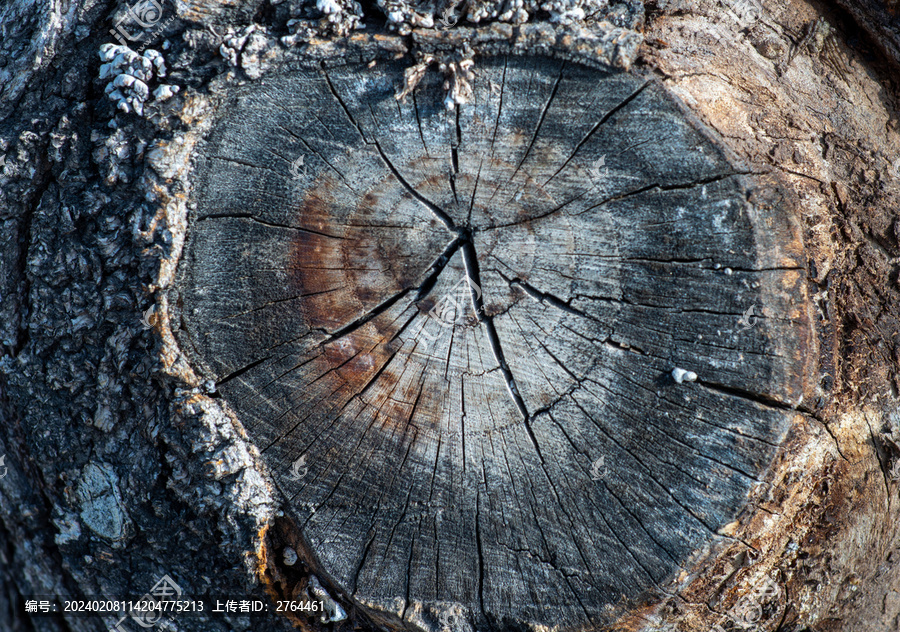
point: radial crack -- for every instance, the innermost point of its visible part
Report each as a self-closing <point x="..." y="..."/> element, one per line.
<point x="597" y="126"/>
<point x="537" y="130"/>
<point x="431" y="206"/>
<point x="470" y="259"/>
<point x="240" y="372"/>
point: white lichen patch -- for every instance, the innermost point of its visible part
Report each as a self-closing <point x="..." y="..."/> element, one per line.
<point x="164" y="92"/>
<point x="248" y="48"/>
<point x="101" y="507"/>
<point x="340" y="16"/>
<point x="338" y="19"/>
<point x="457" y="84"/>
<point x="403" y="15"/>
<point x="130" y="76"/>
<point x="69" y="528"/>
<point x="234" y="42"/>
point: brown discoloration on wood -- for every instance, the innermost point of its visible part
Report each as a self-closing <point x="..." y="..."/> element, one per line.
<point x="825" y="544"/>
<point x="343" y="272"/>
<point x="289" y="583"/>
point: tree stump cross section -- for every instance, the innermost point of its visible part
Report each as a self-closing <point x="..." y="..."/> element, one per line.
<point x="450" y="446"/>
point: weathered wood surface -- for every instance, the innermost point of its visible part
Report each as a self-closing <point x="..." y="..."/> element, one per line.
<point x="121" y="462"/>
<point x="608" y="240"/>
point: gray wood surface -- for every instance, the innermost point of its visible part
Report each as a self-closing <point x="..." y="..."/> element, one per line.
<point x="608" y="241"/>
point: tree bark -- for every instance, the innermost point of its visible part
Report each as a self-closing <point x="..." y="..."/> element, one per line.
<point x="577" y="323"/>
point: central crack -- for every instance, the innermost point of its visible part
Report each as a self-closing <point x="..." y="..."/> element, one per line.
<point x="465" y="242"/>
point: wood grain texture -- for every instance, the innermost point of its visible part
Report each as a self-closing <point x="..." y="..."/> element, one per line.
<point x="608" y="240"/>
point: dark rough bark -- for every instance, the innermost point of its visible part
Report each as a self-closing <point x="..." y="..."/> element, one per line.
<point x="881" y="19"/>
<point x="137" y="449"/>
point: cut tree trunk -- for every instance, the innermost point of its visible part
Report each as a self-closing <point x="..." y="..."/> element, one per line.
<point x="492" y="327"/>
<point x="450" y="315"/>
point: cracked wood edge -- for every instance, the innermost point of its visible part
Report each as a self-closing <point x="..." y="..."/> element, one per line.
<point x="799" y="100"/>
<point x="444" y="219"/>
